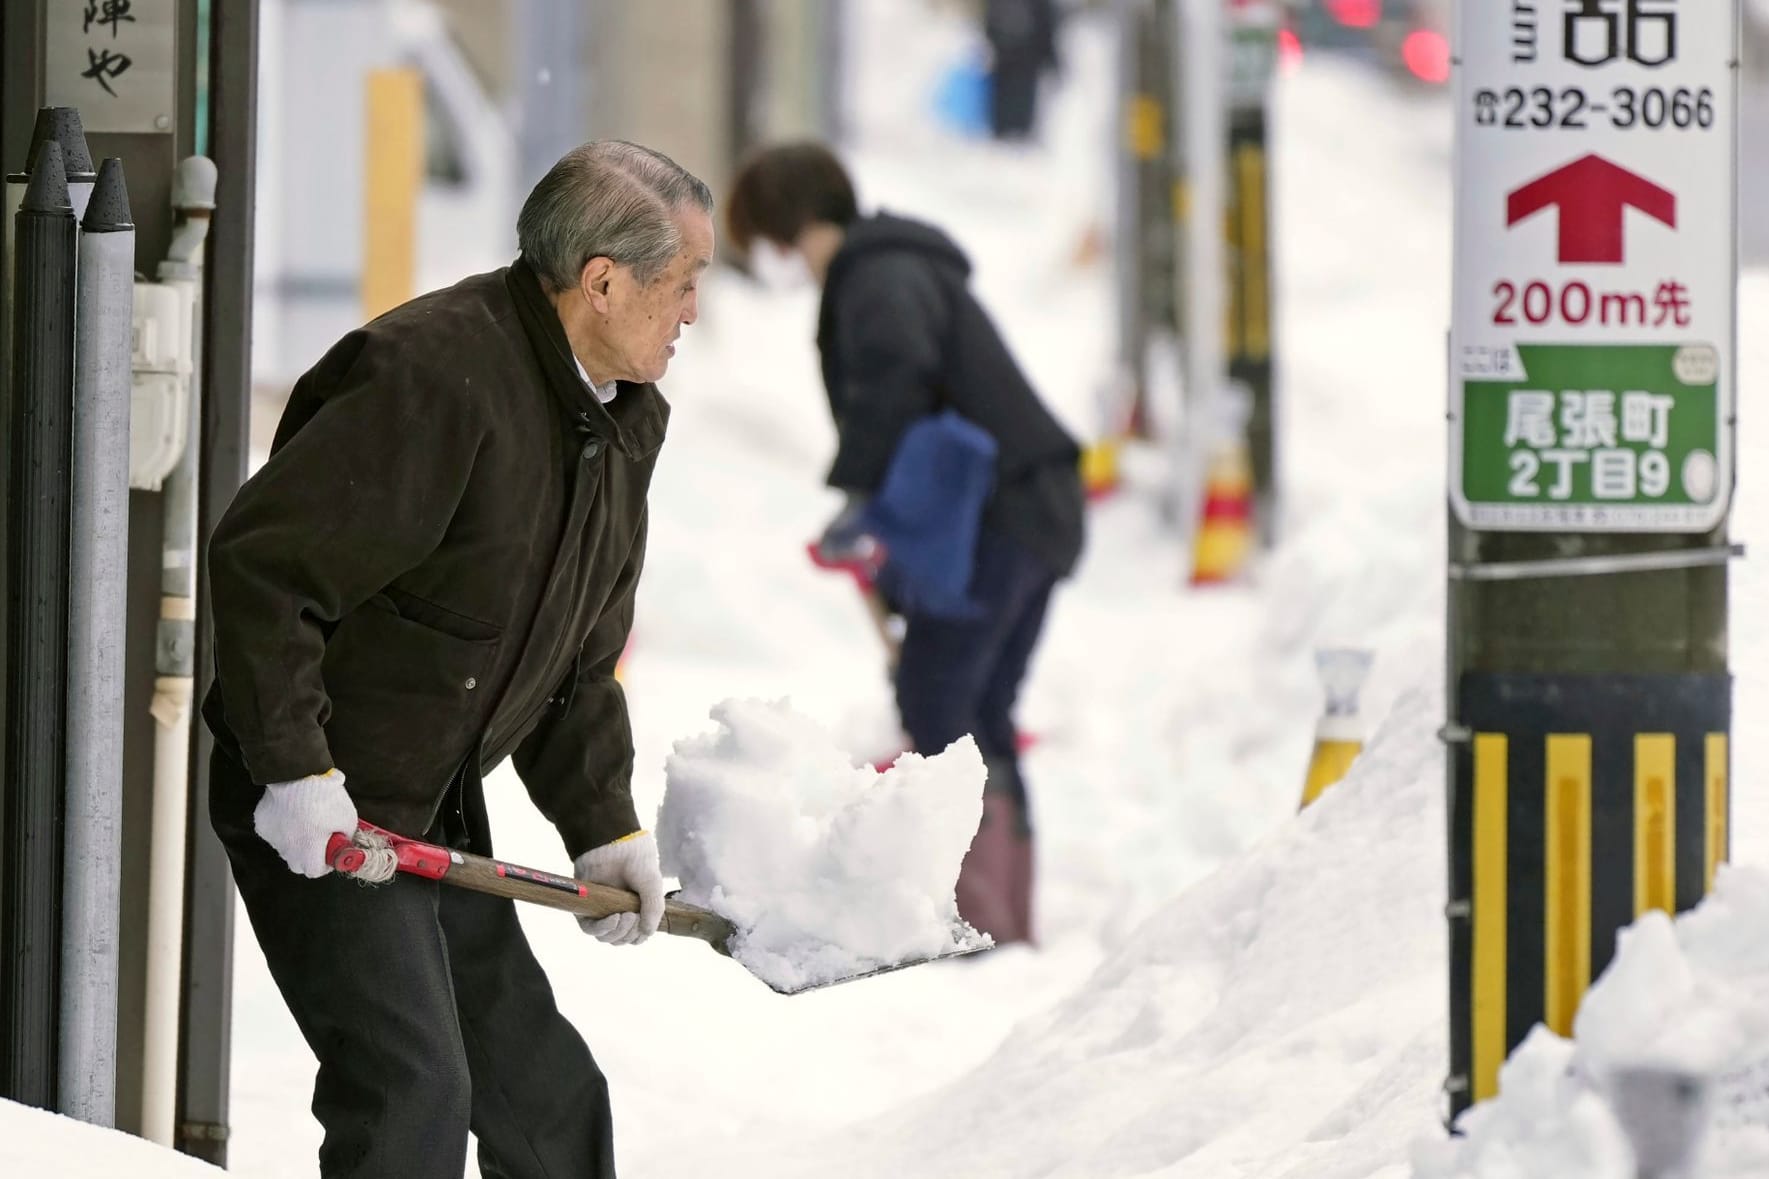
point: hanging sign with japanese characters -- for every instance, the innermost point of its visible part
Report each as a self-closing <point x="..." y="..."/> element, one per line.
<point x="1592" y="355"/>
<point x="114" y="61"/>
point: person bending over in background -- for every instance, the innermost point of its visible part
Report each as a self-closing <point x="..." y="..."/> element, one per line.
<point x="903" y="341"/>
<point x="435" y="570"/>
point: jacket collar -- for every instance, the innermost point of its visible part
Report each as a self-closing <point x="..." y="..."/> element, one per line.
<point x="634" y="422"/>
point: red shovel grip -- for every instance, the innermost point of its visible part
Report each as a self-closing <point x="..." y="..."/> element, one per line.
<point x="415" y="856"/>
<point x="343" y="855"/>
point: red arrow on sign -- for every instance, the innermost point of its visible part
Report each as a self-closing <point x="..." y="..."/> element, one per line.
<point x="1591" y="193"/>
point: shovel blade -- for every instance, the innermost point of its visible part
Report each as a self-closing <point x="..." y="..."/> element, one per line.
<point x="956" y="951"/>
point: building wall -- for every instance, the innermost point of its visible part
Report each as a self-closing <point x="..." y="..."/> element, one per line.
<point x="485" y="30"/>
<point x="659" y="75"/>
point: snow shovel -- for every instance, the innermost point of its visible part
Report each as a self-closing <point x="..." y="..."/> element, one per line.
<point x="481" y="874"/>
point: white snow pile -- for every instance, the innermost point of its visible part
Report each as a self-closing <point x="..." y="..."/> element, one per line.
<point x="1673" y="1037"/>
<point x="827" y="869"/>
<point x="1282" y="1019"/>
<point x="34" y="1142"/>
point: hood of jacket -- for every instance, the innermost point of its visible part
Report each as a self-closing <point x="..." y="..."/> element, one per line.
<point x="887" y="232"/>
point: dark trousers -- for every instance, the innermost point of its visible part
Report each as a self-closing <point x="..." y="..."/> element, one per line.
<point x="1013" y="91"/>
<point x="958" y="676"/>
<point x="426" y="1009"/>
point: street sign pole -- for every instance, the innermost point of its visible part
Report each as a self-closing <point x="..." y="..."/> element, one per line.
<point x="1200" y="94"/>
<point x="1591" y="464"/>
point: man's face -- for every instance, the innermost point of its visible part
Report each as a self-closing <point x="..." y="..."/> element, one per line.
<point x="645" y="319"/>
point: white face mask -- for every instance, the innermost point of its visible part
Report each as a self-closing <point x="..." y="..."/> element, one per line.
<point x="779" y="268"/>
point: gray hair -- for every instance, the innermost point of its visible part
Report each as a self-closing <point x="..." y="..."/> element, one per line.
<point x="607" y="199"/>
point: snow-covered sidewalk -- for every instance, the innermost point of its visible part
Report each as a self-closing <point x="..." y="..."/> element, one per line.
<point x="1225" y="990"/>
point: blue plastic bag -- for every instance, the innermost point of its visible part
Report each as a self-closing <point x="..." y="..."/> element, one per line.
<point x="963" y="98"/>
<point x="927" y="512"/>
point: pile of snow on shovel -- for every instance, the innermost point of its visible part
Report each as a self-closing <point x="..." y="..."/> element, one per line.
<point x="828" y="868"/>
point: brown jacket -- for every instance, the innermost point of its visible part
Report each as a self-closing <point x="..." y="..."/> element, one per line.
<point x="437" y="565"/>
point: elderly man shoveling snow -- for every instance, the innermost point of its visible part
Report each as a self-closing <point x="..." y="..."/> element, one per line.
<point x="435" y="571"/>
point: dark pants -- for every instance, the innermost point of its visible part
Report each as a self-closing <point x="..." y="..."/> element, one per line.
<point x="958" y="676"/>
<point x="1013" y="91"/>
<point x="426" y="1009"/>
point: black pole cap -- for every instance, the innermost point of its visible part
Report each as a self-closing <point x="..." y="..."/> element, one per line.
<point x="61" y="124"/>
<point x="108" y="209"/>
<point x="47" y="191"/>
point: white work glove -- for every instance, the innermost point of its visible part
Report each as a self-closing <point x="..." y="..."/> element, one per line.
<point x="298" y="819"/>
<point x="630" y="863"/>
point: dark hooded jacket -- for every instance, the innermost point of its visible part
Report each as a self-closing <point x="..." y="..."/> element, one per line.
<point x="902" y="337"/>
<point x="436" y="567"/>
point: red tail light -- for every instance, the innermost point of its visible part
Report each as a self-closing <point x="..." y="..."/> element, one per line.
<point x="1427" y="54"/>
<point x="1355" y="14"/>
<point x="1289" y="51"/>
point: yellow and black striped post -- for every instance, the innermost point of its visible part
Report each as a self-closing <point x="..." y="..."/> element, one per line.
<point x="1578" y="802"/>
<point x="1253" y="38"/>
<point x="1146" y="244"/>
<point x="1249" y="302"/>
<point x="1143" y="140"/>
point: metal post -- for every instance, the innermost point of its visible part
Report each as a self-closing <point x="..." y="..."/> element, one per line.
<point x="831" y="53"/>
<point x="550" y="83"/>
<point x="57" y="124"/>
<point x="206" y="1027"/>
<point x="193" y="196"/>
<point x="1199" y="85"/>
<point x="97" y="574"/>
<point x="748" y="50"/>
<point x="21" y="95"/>
<point x="62" y="124"/>
<point x="1160" y="210"/>
<point x="1592" y="383"/>
<point x="15" y="197"/>
<point x="1140" y="136"/>
<point x="37" y="629"/>
<point x="1254" y="29"/>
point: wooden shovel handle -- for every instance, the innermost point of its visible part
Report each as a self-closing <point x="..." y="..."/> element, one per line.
<point x="498" y="878"/>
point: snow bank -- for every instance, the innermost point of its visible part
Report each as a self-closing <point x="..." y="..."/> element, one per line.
<point x="828" y="868"/>
<point x="1682" y="998"/>
<point x="1282" y="1019"/>
<point x="34" y="1142"/>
